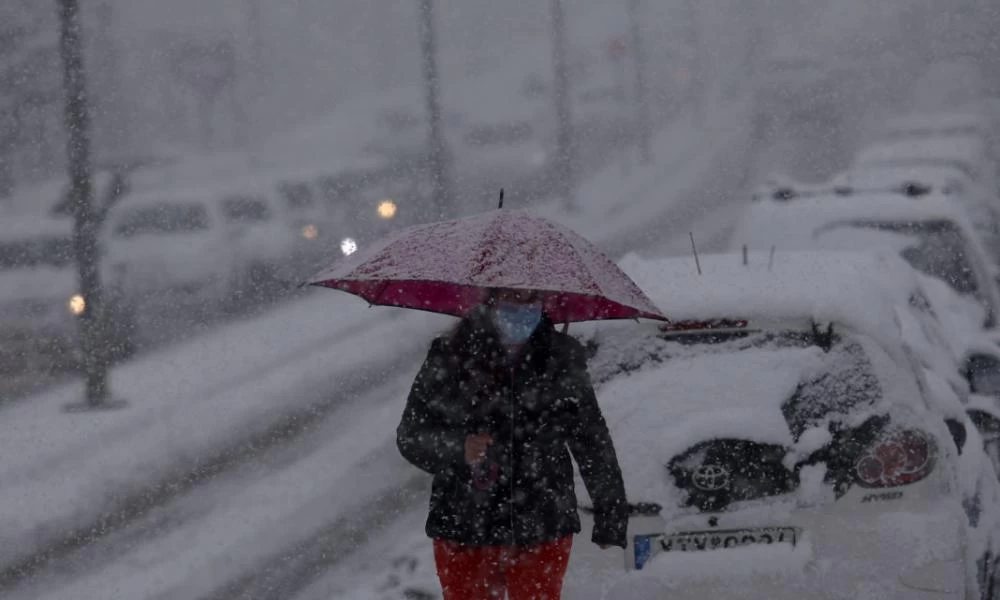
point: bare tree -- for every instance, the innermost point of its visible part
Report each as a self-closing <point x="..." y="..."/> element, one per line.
<point x="439" y="155"/>
<point x="565" y="158"/>
<point x="85" y="242"/>
<point x="643" y="127"/>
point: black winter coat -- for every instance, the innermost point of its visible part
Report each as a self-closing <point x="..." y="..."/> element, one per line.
<point x="538" y="410"/>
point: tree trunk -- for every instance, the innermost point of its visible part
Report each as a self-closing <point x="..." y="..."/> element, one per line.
<point x="565" y="151"/>
<point x="443" y="202"/>
<point x="85" y="230"/>
<point x="641" y="101"/>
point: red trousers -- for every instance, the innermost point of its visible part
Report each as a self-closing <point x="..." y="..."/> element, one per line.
<point x="486" y="572"/>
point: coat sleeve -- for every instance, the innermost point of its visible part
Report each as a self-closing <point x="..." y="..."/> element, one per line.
<point x="592" y="447"/>
<point x="421" y="437"/>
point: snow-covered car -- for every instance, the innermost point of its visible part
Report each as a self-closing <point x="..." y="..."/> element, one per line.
<point x="261" y="235"/>
<point x="970" y="154"/>
<point x="782" y="439"/>
<point x="919" y="125"/>
<point x="40" y="300"/>
<point x="170" y="249"/>
<point x="931" y="232"/>
<point x="981" y="204"/>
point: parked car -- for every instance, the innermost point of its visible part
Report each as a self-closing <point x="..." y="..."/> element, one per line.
<point x="931" y="232"/>
<point x="261" y="235"/>
<point x="40" y="300"/>
<point x="926" y="125"/>
<point x="969" y="154"/>
<point x="981" y="204"/>
<point x="173" y="249"/>
<point x="782" y="439"/>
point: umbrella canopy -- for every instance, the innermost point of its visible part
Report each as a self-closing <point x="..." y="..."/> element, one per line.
<point x="446" y="267"/>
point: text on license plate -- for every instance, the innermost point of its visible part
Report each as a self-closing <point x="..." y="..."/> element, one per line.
<point x="694" y="541"/>
<point x="647" y="546"/>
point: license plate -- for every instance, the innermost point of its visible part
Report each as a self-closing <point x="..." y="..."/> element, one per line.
<point x="647" y="546"/>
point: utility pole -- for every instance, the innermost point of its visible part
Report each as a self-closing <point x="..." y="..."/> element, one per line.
<point x="86" y="224"/>
<point x="256" y="43"/>
<point x="443" y="202"/>
<point x="698" y="84"/>
<point x="643" y="128"/>
<point x="565" y="155"/>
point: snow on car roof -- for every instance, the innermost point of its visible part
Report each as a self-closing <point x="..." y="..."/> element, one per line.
<point x="955" y="147"/>
<point x="939" y="177"/>
<point x="858" y="290"/>
<point x="936" y="121"/>
<point x="785" y="223"/>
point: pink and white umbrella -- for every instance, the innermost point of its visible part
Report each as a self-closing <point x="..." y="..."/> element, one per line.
<point x="447" y="267"/>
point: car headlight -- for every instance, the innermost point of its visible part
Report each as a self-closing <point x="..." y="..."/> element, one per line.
<point x="348" y="246"/>
<point x="310" y="231"/>
<point x="387" y="209"/>
<point x="76" y="305"/>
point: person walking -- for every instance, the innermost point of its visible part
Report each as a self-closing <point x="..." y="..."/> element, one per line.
<point x="497" y="409"/>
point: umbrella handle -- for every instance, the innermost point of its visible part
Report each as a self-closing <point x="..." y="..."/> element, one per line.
<point x="565" y="327"/>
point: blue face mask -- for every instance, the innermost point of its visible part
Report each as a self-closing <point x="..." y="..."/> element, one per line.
<point x="516" y="322"/>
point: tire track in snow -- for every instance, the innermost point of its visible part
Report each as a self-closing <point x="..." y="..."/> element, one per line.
<point x="137" y="504"/>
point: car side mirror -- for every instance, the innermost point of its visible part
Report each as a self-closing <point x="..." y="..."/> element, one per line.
<point x="982" y="371"/>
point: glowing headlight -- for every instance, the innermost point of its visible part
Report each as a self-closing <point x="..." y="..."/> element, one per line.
<point x="310" y="232"/>
<point x="348" y="246"/>
<point x="76" y="304"/>
<point x="387" y="209"/>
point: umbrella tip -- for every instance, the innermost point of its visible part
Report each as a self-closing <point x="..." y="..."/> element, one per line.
<point x="500" y="204"/>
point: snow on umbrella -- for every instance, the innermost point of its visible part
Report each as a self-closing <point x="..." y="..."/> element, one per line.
<point x="446" y="267"/>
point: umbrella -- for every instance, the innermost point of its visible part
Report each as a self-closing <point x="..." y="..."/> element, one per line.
<point x="446" y="267"/>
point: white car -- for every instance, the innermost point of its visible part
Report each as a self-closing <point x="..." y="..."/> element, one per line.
<point x="168" y="249"/>
<point x="261" y="235"/>
<point x="40" y="300"/>
<point x="970" y="154"/>
<point x="968" y="123"/>
<point x="781" y="438"/>
<point x="931" y="232"/>
<point x="981" y="204"/>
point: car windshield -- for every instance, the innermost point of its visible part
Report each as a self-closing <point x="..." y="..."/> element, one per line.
<point x="244" y="209"/>
<point x="159" y="219"/>
<point x="834" y="376"/>
<point x="936" y="248"/>
<point x="36" y="252"/>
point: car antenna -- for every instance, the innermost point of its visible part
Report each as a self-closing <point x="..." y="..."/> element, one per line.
<point x="500" y="204"/>
<point x="770" y="260"/>
<point x="694" y="249"/>
<point x="745" y="258"/>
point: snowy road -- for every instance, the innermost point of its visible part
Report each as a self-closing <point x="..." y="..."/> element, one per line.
<point x="263" y="515"/>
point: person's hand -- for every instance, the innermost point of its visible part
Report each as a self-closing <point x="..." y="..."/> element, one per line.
<point x="475" y="447"/>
